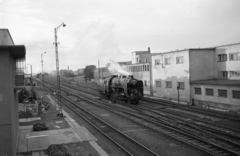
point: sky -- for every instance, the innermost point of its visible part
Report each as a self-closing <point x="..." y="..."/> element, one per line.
<point x="107" y="30"/>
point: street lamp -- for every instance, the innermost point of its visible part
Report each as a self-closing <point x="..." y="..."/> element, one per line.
<point x="178" y="87"/>
<point x="31" y="81"/>
<point x="57" y="70"/>
<point x="42" y="68"/>
<point x="98" y="70"/>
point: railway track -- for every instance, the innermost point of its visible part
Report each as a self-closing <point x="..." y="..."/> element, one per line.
<point x="124" y="142"/>
<point x="160" y="102"/>
<point x="215" y="126"/>
<point x="199" y="110"/>
<point x="216" y="147"/>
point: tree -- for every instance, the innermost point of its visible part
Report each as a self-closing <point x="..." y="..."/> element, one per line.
<point x="89" y="72"/>
<point x="66" y="73"/>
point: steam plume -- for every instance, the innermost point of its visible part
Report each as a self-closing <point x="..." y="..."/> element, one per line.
<point x="116" y="69"/>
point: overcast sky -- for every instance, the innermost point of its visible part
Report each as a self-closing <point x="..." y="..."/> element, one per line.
<point x="111" y="29"/>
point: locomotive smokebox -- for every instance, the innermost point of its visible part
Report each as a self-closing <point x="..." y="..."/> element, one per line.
<point x="122" y="76"/>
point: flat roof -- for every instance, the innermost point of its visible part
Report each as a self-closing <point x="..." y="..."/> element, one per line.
<point x="141" y="52"/>
<point x="217" y="82"/>
<point x="227" y="45"/>
<point x="153" y="54"/>
<point x="17" y="51"/>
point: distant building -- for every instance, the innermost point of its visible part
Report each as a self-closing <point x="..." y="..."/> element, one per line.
<point x="209" y="75"/>
<point x="12" y="64"/>
<point x="170" y="69"/>
<point x="221" y="87"/>
<point x="140" y="68"/>
<point x="139" y="57"/>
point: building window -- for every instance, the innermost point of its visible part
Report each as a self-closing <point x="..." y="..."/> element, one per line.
<point x="145" y="83"/>
<point x="222" y="57"/>
<point x="236" y="94"/>
<point x="235" y="74"/>
<point x="209" y="92"/>
<point x="157" y="62"/>
<point x="224" y="74"/>
<point x="167" y="61"/>
<point x="198" y="91"/>
<point x="179" y="60"/>
<point x="234" y="56"/>
<point x="158" y="83"/>
<point x="222" y="93"/>
<point x="147" y="67"/>
<point x="168" y="84"/>
<point x="181" y="85"/>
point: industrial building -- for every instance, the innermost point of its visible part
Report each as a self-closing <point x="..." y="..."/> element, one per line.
<point x="12" y="64"/>
<point x="222" y="86"/>
<point x="140" y="68"/>
<point x="210" y="76"/>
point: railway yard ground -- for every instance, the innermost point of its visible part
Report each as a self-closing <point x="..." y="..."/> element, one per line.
<point x="61" y="130"/>
<point x="153" y="127"/>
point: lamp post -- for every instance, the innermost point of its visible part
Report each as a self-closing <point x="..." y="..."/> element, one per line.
<point x="57" y="70"/>
<point x="42" y="67"/>
<point x="98" y="70"/>
<point x="178" y="87"/>
<point x="31" y="81"/>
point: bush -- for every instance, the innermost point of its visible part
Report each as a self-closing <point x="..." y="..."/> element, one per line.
<point x="58" y="150"/>
<point x="23" y="114"/>
<point x="39" y="127"/>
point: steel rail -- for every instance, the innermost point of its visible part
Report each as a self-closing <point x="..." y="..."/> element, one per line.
<point x="200" y="145"/>
<point x="144" y="152"/>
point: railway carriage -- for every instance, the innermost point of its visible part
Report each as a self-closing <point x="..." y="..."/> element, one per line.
<point x="121" y="88"/>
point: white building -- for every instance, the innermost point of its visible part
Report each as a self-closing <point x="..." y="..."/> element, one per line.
<point x="222" y="88"/>
<point x="210" y="75"/>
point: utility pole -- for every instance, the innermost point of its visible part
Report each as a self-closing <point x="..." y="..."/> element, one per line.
<point x="150" y="73"/>
<point x="42" y="68"/>
<point x="31" y="82"/>
<point x="178" y="87"/>
<point x="98" y="71"/>
<point x="57" y="70"/>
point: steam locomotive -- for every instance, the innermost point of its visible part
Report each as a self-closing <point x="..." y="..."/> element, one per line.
<point x="121" y="88"/>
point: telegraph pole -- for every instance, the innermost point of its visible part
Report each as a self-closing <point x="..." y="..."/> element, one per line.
<point x="98" y="71"/>
<point x="31" y="82"/>
<point x="178" y="87"/>
<point x="42" y="68"/>
<point x="57" y="70"/>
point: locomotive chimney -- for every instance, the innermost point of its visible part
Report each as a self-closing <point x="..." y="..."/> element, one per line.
<point x="149" y="49"/>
